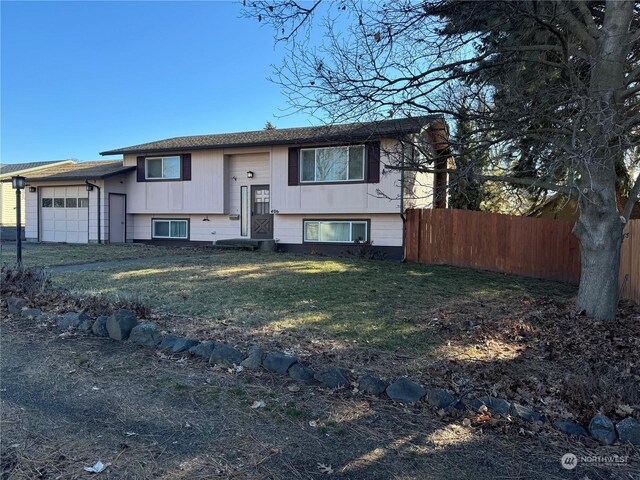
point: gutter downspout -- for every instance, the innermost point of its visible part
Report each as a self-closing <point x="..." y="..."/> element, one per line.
<point x="87" y="182"/>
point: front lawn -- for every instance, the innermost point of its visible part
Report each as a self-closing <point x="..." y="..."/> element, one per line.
<point x="381" y="305"/>
<point x="53" y="254"/>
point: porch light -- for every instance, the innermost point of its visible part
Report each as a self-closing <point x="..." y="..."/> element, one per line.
<point x="249" y="174"/>
<point x="33" y="189"/>
<point x="88" y="187"/>
<point x="18" y="182"/>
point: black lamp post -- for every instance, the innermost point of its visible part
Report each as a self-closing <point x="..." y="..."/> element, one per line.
<point x="18" y="184"/>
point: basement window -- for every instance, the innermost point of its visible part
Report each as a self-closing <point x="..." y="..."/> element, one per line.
<point x="178" y="229"/>
<point x="343" y="231"/>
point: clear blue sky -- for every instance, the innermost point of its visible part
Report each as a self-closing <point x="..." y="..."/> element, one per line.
<point x="83" y="77"/>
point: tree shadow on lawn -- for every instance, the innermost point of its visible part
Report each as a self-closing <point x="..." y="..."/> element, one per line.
<point x="382" y="305"/>
<point x="149" y="429"/>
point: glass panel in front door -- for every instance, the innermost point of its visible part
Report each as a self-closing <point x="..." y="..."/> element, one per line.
<point x="261" y="201"/>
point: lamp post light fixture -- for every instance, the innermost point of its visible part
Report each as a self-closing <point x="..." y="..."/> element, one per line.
<point x="18" y="183"/>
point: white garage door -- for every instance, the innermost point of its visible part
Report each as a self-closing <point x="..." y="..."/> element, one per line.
<point x="64" y="214"/>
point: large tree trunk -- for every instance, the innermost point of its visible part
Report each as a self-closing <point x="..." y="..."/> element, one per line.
<point x="599" y="227"/>
<point x="599" y="230"/>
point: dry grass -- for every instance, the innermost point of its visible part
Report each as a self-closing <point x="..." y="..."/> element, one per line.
<point x="82" y="399"/>
<point x="373" y="304"/>
<point x="54" y="254"/>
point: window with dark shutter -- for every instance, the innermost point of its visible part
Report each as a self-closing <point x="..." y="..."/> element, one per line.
<point x="140" y="169"/>
<point x="294" y="166"/>
<point x="186" y="167"/>
<point x="373" y="162"/>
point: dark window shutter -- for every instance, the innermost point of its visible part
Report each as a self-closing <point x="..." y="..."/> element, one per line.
<point x="186" y="167"/>
<point x="294" y="166"/>
<point x="373" y="162"/>
<point x="140" y="169"/>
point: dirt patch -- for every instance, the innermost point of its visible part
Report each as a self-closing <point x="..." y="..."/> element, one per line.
<point x="76" y="399"/>
<point x="538" y="352"/>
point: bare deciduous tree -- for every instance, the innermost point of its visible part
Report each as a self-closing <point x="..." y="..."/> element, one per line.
<point x="554" y="88"/>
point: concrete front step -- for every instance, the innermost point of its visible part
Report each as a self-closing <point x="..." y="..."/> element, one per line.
<point x="246" y="244"/>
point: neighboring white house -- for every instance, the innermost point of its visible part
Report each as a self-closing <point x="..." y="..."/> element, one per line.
<point x="8" y="194"/>
<point x="313" y="188"/>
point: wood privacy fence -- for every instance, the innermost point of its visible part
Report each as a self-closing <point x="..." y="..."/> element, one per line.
<point x="529" y="246"/>
<point x="630" y="262"/>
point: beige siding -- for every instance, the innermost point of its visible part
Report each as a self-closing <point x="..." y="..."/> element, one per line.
<point x="203" y="194"/>
<point x="31" y="219"/>
<point x="418" y="191"/>
<point x="202" y="228"/>
<point x="213" y="190"/>
<point x="8" y="205"/>
<point x="386" y="229"/>
<point x="383" y="197"/>
<point x="237" y="168"/>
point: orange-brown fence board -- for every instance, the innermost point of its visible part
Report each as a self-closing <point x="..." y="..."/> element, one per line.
<point x="630" y="262"/>
<point x="534" y="247"/>
<point x="520" y="245"/>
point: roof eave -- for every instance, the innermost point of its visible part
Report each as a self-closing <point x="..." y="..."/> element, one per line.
<point x="292" y="142"/>
<point x="26" y="170"/>
<point x="81" y="178"/>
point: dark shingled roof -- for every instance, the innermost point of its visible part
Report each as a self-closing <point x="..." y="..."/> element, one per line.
<point x="352" y="132"/>
<point x="18" y="167"/>
<point x="81" y="171"/>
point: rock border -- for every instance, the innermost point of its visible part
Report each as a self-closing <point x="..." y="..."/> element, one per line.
<point x="124" y="325"/>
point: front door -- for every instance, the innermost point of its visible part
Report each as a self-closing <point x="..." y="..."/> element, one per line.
<point x="261" y="217"/>
<point x="117" y="215"/>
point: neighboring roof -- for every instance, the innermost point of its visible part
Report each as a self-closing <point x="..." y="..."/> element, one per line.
<point x="81" y="171"/>
<point x="352" y="132"/>
<point x="16" y="168"/>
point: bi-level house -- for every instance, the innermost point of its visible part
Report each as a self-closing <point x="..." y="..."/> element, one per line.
<point x="313" y="188"/>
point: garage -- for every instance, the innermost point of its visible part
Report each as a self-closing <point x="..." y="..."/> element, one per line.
<point x="64" y="214"/>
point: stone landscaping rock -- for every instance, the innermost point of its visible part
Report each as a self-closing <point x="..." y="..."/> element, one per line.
<point x="493" y="404"/>
<point x="31" y="313"/>
<point x="203" y="349"/>
<point x="168" y="342"/>
<point x="405" y="390"/>
<point x="298" y="371"/>
<point x="99" y="327"/>
<point x="255" y="358"/>
<point x="183" y="344"/>
<point x="15" y="304"/>
<point x="372" y="385"/>
<point x="86" y="324"/>
<point x="439" y="398"/>
<point x="278" y="362"/>
<point x="525" y="413"/>
<point x="223" y="353"/>
<point x="333" y="378"/>
<point x="629" y="431"/>
<point x="571" y="428"/>
<point x="602" y="429"/>
<point x="120" y="324"/>
<point x="71" y="320"/>
<point x="146" y="334"/>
